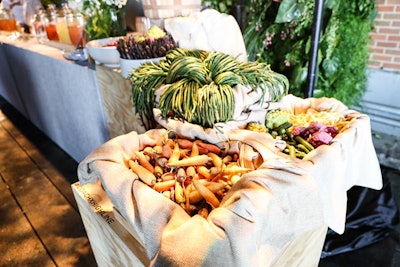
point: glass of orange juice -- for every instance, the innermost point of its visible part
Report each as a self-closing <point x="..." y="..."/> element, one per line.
<point x="75" y="26"/>
<point x="7" y="21"/>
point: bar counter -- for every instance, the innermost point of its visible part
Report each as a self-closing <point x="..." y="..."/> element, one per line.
<point x="78" y="106"/>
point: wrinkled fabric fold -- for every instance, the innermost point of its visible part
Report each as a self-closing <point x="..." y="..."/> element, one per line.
<point x="263" y="212"/>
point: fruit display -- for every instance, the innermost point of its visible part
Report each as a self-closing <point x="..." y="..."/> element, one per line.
<point x="193" y="173"/>
<point x="302" y="132"/>
<point x="197" y="85"/>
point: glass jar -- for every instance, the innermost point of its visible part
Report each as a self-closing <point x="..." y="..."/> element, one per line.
<point x="7" y="21"/>
<point x="75" y="24"/>
<point x="38" y="26"/>
<point x="61" y="25"/>
<point x="50" y="27"/>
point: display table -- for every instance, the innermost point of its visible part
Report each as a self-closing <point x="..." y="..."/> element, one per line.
<point x="79" y="107"/>
<point x="265" y="213"/>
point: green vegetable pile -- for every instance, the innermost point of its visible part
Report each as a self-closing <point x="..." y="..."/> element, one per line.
<point x="198" y="86"/>
<point x="300" y="140"/>
<point x="276" y="118"/>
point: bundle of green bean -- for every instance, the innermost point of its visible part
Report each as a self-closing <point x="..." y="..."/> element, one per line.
<point x="199" y="85"/>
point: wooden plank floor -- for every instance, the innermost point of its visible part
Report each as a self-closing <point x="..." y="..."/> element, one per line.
<point x="40" y="223"/>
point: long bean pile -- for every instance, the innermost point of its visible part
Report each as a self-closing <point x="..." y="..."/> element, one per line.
<point x="199" y="85"/>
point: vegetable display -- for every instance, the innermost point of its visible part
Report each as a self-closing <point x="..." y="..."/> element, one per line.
<point x="154" y="44"/>
<point x="193" y="173"/>
<point x="198" y="85"/>
<point x="302" y="132"/>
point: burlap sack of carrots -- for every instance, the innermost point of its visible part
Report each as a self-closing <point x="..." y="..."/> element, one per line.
<point x="250" y="225"/>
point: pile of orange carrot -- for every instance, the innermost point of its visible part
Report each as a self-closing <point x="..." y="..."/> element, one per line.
<point x="193" y="173"/>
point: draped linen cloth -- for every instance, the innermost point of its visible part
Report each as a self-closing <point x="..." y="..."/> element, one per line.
<point x="261" y="215"/>
<point x="265" y="210"/>
<point x="350" y="160"/>
<point x="208" y="30"/>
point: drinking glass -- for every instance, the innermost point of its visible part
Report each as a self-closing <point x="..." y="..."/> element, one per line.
<point x="7" y="21"/>
<point x="61" y="25"/>
<point x="50" y="26"/>
<point x="38" y="28"/>
<point x="75" y="26"/>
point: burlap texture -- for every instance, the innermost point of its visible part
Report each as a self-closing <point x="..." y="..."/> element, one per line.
<point x="263" y="213"/>
<point x="266" y="210"/>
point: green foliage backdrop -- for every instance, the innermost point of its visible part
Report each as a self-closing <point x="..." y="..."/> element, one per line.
<point x="279" y="33"/>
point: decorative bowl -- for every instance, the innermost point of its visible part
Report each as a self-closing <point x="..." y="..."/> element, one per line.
<point x="127" y="65"/>
<point x="102" y="51"/>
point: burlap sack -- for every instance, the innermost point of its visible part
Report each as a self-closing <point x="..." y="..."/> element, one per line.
<point x="266" y="210"/>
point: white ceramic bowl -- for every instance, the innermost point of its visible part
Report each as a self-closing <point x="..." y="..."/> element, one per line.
<point x="127" y="65"/>
<point x="102" y="53"/>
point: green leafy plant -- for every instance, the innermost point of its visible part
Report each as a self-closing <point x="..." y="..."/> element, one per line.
<point x="46" y="3"/>
<point x="104" y="18"/>
<point x="279" y="33"/>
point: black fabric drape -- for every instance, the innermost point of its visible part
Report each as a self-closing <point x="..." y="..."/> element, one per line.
<point x="371" y="214"/>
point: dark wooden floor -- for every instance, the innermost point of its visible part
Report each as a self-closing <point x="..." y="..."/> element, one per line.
<point x="40" y="224"/>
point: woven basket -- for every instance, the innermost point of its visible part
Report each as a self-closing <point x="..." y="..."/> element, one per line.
<point x="162" y="9"/>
